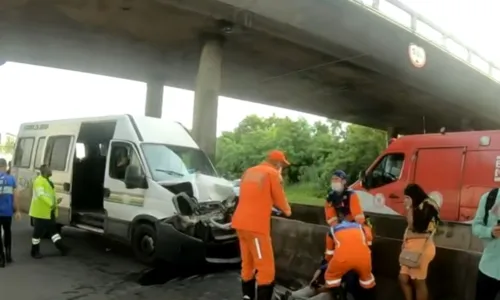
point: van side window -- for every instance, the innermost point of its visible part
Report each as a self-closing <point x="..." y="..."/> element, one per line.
<point x="56" y="152"/>
<point x="24" y="149"/>
<point x="123" y="159"/>
<point x="39" y="152"/>
<point x="387" y="170"/>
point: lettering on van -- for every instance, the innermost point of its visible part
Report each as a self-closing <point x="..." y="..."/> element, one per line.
<point x="497" y="170"/>
<point x="36" y="127"/>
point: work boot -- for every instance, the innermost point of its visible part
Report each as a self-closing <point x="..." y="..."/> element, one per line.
<point x="35" y="251"/>
<point x="265" y="292"/>
<point x="8" y="255"/>
<point x="248" y="289"/>
<point x="61" y="247"/>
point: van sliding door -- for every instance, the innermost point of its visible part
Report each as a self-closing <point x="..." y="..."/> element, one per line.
<point x="439" y="172"/>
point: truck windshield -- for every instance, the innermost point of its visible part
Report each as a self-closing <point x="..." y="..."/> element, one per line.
<point x="168" y="161"/>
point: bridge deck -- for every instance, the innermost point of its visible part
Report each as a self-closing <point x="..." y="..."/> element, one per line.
<point x="335" y="58"/>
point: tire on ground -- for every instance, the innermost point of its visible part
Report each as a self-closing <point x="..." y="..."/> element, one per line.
<point x="143" y="243"/>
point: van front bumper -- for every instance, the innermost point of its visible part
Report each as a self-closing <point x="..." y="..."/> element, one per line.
<point x="177" y="247"/>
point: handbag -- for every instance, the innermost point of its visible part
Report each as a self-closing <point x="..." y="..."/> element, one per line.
<point x="412" y="258"/>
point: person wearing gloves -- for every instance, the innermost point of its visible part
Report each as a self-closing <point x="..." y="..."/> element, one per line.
<point x="261" y="189"/>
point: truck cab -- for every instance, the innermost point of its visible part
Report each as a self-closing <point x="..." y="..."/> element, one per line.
<point x="455" y="169"/>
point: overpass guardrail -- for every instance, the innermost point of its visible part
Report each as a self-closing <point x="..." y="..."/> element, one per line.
<point x="425" y="28"/>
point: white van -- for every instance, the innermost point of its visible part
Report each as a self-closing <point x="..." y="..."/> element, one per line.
<point x="142" y="180"/>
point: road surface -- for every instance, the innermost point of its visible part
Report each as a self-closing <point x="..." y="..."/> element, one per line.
<point x="97" y="269"/>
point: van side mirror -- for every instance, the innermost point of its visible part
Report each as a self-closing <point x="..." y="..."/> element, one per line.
<point x="362" y="177"/>
<point x="134" y="179"/>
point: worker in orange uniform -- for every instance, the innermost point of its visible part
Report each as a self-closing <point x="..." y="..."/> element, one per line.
<point x="342" y="202"/>
<point x="352" y="253"/>
<point x="260" y="191"/>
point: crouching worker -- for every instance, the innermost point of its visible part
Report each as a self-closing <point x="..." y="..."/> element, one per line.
<point x="359" y="238"/>
<point x="43" y="211"/>
<point x="352" y="253"/>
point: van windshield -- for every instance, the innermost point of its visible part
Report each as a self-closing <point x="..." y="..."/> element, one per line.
<point x="168" y="161"/>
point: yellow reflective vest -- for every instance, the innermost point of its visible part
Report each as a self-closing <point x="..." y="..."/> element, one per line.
<point x="44" y="199"/>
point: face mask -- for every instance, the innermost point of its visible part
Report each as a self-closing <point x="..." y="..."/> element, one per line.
<point x="337" y="186"/>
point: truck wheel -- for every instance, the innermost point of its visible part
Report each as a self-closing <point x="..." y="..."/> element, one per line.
<point x="143" y="243"/>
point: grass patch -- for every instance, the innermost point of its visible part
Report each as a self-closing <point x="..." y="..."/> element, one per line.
<point x="305" y="193"/>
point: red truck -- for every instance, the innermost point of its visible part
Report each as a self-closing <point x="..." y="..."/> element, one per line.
<point x="454" y="168"/>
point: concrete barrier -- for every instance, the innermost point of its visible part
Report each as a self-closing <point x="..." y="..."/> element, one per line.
<point x="299" y="246"/>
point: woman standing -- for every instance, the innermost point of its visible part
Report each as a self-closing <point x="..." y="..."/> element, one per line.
<point x="418" y="248"/>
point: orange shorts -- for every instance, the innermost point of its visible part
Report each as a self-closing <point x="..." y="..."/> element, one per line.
<point x="429" y="251"/>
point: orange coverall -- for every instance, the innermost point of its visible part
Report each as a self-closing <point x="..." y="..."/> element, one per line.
<point x="351" y="253"/>
<point x="260" y="190"/>
<point x="355" y="214"/>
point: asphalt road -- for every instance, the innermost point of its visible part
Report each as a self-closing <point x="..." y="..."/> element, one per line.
<point x="97" y="269"/>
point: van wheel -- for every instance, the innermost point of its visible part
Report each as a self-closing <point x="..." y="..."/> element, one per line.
<point x="144" y="243"/>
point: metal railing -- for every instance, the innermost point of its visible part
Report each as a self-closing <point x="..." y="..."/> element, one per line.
<point x="445" y="41"/>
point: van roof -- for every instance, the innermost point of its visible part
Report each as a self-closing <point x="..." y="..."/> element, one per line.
<point x="148" y="129"/>
<point x="470" y="139"/>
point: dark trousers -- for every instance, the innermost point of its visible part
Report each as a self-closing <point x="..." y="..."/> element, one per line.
<point x="487" y="288"/>
<point x="42" y="227"/>
<point x="6" y="242"/>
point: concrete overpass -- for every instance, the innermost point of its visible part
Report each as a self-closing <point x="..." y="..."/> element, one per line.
<point x="339" y="59"/>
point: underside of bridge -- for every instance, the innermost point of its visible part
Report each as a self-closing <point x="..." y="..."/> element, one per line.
<point x="262" y="61"/>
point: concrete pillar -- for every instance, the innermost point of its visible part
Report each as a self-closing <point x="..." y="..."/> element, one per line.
<point x="206" y="95"/>
<point x="154" y="98"/>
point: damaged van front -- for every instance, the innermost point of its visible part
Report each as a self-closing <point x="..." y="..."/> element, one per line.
<point x="198" y="227"/>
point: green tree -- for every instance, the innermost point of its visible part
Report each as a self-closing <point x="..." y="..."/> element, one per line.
<point x="8" y="146"/>
<point x="314" y="150"/>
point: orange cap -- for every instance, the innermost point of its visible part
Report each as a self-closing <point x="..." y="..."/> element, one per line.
<point x="278" y="155"/>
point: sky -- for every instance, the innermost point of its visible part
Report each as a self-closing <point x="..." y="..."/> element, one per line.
<point x="31" y="93"/>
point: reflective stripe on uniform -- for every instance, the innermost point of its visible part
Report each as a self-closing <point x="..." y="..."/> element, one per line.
<point x="334" y="282"/>
<point x="55" y="237"/>
<point x="369" y="282"/>
<point x="35" y="241"/>
<point x="257" y="247"/>
<point x="359" y="217"/>
<point x="329" y="252"/>
<point x="332" y="220"/>
<point x="6" y="190"/>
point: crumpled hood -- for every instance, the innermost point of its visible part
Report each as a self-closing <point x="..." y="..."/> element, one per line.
<point x="205" y="188"/>
<point x="212" y="188"/>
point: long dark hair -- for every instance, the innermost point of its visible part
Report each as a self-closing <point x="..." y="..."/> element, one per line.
<point x="424" y="208"/>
